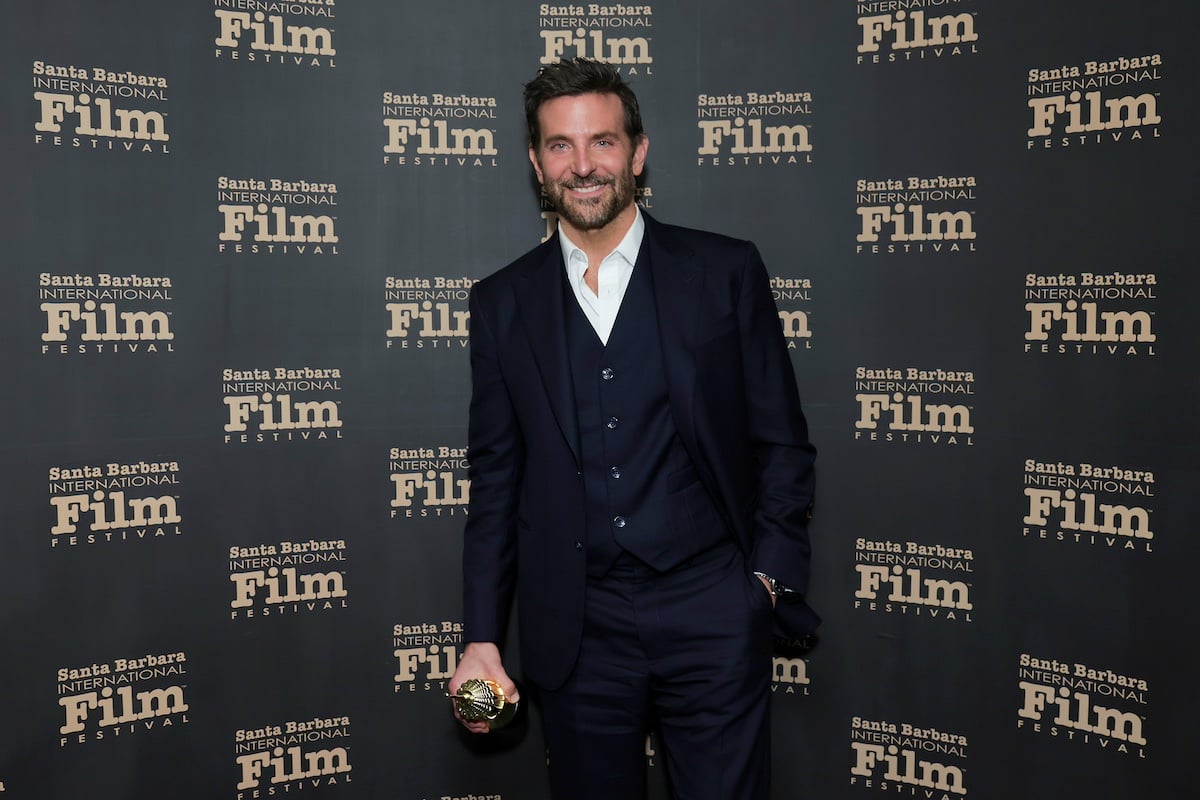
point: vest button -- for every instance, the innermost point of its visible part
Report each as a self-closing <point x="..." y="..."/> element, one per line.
<point x="619" y="522"/>
<point x="612" y="423"/>
<point x="615" y="472"/>
<point x="607" y="374"/>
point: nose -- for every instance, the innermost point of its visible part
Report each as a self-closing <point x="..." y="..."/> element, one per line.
<point x="582" y="164"/>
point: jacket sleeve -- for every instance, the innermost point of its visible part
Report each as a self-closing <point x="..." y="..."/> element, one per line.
<point x="495" y="454"/>
<point x="783" y="456"/>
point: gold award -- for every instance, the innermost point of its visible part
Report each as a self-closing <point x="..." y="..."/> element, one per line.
<point x="480" y="700"/>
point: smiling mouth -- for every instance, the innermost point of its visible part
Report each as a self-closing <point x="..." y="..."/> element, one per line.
<point x="586" y="189"/>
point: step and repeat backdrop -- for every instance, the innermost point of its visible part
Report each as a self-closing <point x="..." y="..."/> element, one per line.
<point x="239" y="237"/>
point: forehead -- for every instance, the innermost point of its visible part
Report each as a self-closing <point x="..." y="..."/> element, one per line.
<point x="582" y="115"/>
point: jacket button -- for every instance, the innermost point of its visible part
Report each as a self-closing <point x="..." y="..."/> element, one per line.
<point x="619" y="522"/>
<point x="579" y="545"/>
<point x="607" y="374"/>
<point x="615" y="472"/>
<point x="613" y="422"/>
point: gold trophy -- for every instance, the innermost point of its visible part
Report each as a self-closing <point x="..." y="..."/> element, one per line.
<point x="480" y="700"/>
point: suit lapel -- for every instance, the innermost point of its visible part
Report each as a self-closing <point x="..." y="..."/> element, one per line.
<point x="678" y="281"/>
<point x="540" y="304"/>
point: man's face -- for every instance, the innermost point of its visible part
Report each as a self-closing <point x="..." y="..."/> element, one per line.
<point x="585" y="161"/>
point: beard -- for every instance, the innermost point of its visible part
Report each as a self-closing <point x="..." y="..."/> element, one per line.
<point x="592" y="213"/>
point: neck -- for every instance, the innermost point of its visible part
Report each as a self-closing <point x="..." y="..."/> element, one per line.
<point x="597" y="243"/>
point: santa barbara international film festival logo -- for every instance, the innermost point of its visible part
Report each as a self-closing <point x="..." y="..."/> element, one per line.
<point x="912" y="579"/>
<point x="1096" y="102"/>
<point x="916" y="215"/>
<point x="906" y="759"/>
<point x="914" y="406"/>
<point x="106" y="314"/>
<point x="94" y="108"/>
<point x="1090" y="505"/>
<point x="917" y="30"/>
<point x="1092" y="313"/>
<point x="279" y="758"/>
<point x="439" y="130"/>
<point x="426" y="655"/>
<point x="789" y="676"/>
<point x="285" y="34"/>
<point x="125" y="697"/>
<point x="428" y="312"/>
<point x="792" y="298"/>
<point x="1074" y="702"/>
<point x="754" y="128"/>
<point x="114" y="502"/>
<point x="614" y="34"/>
<point x="429" y="482"/>
<point x="269" y="216"/>
<point x="299" y="577"/>
<point x="282" y="405"/>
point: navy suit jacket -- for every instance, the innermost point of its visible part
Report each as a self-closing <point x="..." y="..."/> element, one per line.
<point x="734" y="401"/>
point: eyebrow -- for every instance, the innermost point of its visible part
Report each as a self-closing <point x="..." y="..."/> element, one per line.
<point x="564" y="137"/>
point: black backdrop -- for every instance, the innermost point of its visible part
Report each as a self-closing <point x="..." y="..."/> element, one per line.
<point x="239" y="237"/>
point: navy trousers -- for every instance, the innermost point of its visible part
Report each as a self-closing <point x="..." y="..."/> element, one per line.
<point x="688" y="651"/>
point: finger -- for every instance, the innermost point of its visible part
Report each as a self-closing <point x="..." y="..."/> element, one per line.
<point x="508" y="687"/>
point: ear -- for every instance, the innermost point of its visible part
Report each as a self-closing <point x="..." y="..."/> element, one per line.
<point x="537" y="166"/>
<point x="639" y="153"/>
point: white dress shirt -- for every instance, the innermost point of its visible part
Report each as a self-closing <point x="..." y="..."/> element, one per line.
<point x="612" y="276"/>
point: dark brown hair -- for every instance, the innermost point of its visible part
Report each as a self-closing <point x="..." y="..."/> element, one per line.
<point x="575" y="76"/>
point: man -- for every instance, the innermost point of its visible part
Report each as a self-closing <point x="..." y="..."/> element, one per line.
<point x="641" y="479"/>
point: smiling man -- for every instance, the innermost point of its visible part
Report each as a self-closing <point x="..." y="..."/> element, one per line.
<point x="641" y="475"/>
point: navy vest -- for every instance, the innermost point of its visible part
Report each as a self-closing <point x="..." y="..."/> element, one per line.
<point x="643" y="494"/>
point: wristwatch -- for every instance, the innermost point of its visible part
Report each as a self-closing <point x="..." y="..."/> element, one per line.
<point x="779" y="592"/>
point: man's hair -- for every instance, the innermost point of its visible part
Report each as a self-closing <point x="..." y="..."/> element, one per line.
<point x="575" y="76"/>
